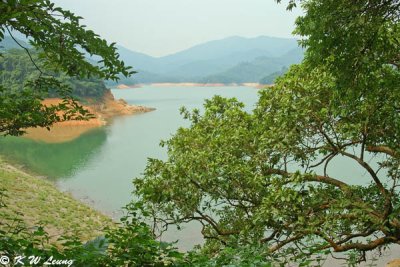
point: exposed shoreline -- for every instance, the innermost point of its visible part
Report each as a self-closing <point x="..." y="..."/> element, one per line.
<point x="104" y="111"/>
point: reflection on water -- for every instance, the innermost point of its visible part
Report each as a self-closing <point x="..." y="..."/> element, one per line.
<point x="53" y="160"/>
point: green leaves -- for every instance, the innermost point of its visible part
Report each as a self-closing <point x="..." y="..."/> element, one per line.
<point x="264" y="176"/>
<point x="351" y="37"/>
<point x="61" y="41"/>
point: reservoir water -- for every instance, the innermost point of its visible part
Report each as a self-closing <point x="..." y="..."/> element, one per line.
<point x="99" y="166"/>
<point x="105" y="176"/>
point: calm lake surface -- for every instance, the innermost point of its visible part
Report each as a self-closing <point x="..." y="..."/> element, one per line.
<point x="99" y="166"/>
<point x="102" y="163"/>
<point x="106" y="174"/>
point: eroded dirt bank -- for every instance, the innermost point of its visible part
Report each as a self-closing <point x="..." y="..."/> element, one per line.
<point x="103" y="110"/>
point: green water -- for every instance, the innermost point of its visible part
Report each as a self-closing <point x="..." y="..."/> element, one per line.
<point x="53" y="160"/>
<point x="99" y="166"/>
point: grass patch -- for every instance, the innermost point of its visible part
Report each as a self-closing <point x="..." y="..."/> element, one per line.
<point x="38" y="202"/>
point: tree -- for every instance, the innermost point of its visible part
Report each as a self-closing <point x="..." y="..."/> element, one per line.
<point x="61" y="41"/>
<point x="263" y="178"/>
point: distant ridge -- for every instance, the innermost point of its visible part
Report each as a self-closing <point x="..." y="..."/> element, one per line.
<point x="8" y="43"/>
<point x="229" y="60"/>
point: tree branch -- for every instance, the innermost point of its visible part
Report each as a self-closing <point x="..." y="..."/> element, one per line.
<point x="366" y="247"/>
<point x="285" y="242"/>
<point x="369" y="170"/>
<point x="26" y="50"/>
<point x="382" y="149"/>
<point x="313" y="178"/>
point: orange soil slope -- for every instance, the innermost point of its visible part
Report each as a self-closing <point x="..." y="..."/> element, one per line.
<point x="69" y="130"/>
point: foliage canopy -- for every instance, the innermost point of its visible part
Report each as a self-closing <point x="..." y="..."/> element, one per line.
<point x="265" y="177"/>
<point x="61" y="41"/>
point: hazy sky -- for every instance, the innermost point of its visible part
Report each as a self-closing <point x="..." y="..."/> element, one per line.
<point x="161" y="27"/>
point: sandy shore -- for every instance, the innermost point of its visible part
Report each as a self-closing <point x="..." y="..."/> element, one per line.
<point x="69" y="130"/>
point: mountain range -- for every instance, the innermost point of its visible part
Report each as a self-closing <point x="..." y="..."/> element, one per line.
<point x="9" y="43"/>
<point x="230" y="60"/>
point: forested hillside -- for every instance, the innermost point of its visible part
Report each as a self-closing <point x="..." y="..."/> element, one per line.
<point x="16" y="68"/>
<point x="270" y="79"/>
